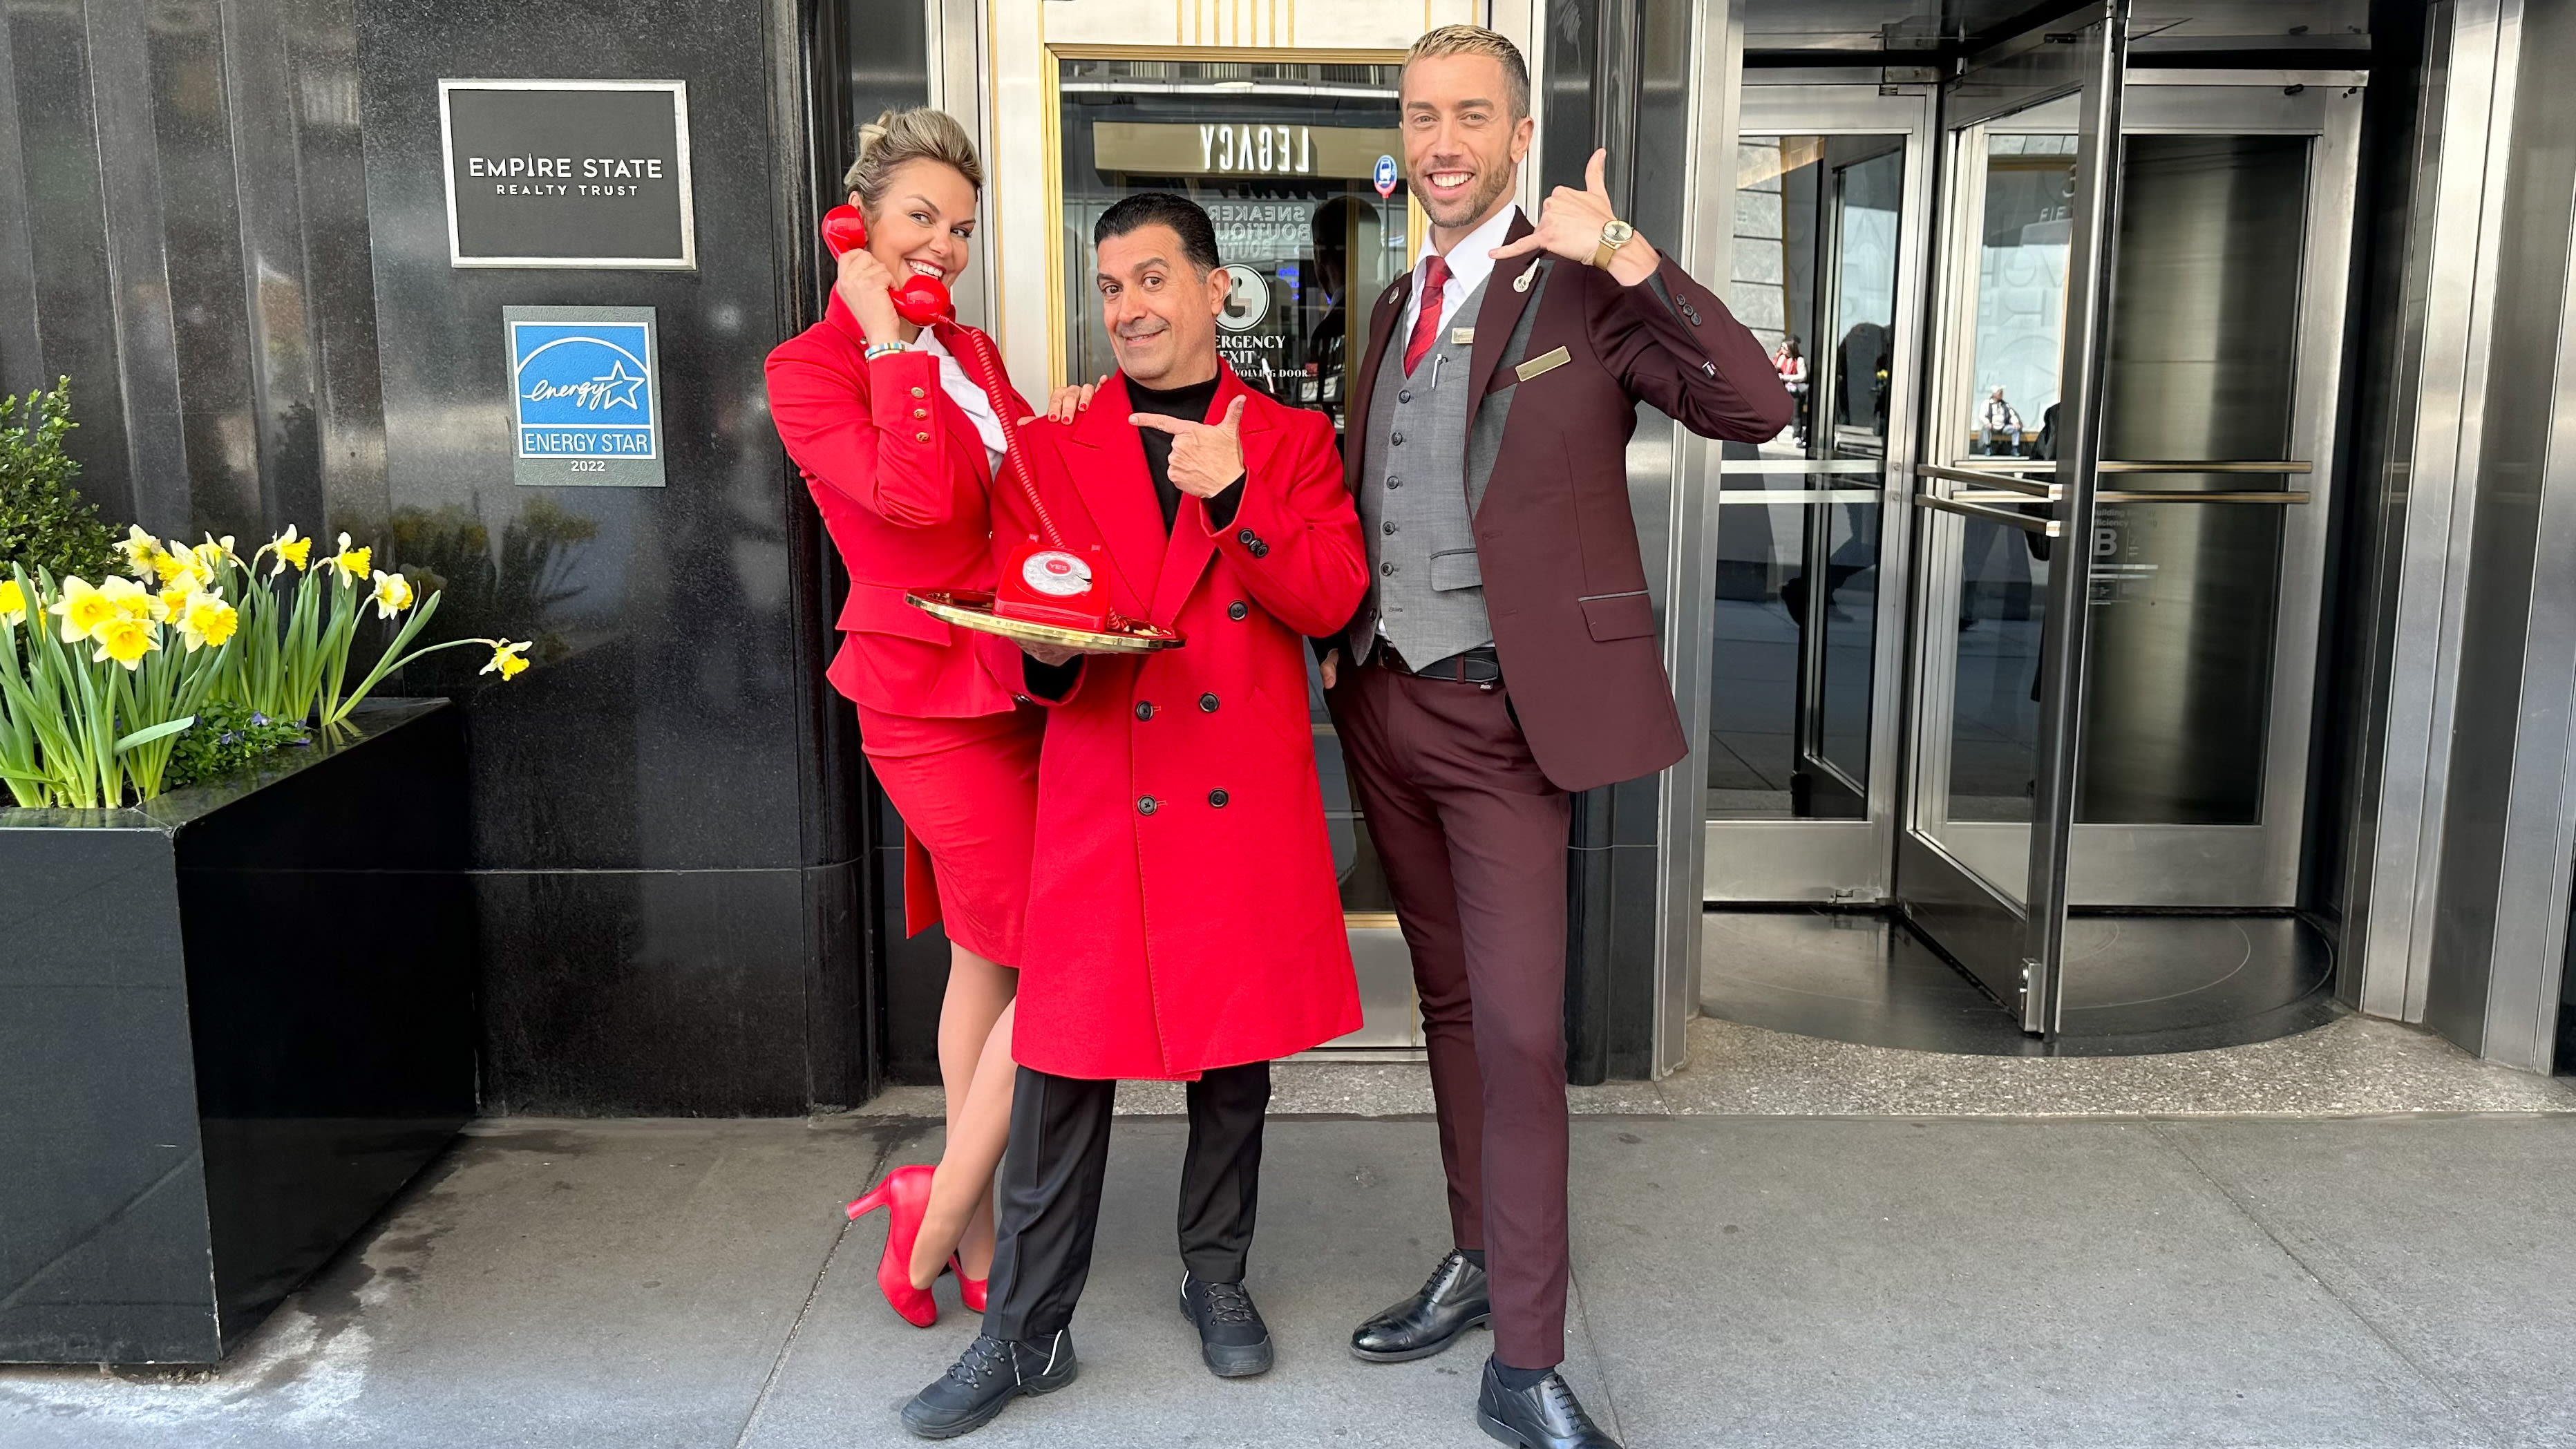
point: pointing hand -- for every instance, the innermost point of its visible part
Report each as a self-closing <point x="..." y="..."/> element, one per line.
<point x="1207" y="459"/>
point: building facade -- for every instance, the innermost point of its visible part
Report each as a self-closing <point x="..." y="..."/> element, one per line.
<point x="2156" y="616"/>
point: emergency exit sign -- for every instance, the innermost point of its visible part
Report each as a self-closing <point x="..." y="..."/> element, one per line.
<point x="565" y="173"/>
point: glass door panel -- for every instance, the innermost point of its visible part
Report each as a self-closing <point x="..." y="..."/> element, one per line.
<point x="1999" y="616"/>
<point x="1830" y="232"/>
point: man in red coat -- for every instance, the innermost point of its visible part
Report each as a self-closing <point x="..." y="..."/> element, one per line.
<point x="1184" y="920"/>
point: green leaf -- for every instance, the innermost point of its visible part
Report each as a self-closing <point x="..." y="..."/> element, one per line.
<point x="160" y="731"/>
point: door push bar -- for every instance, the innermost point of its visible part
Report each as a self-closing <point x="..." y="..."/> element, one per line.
<point x="2011" y="483"/>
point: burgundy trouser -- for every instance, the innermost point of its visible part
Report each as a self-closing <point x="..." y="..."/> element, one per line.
<point x="1473" y="839"/>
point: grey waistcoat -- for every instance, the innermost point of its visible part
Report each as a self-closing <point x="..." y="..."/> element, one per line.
<point x="1414" y="502"/>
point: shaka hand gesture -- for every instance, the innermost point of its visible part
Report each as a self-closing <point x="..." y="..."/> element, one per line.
<point x="1570" y="223"/>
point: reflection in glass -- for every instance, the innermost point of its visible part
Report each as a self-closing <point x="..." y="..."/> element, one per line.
<point x="1817" y="230"/>
<point x="2201" y="365"/>
<point x="1282" y="157"/>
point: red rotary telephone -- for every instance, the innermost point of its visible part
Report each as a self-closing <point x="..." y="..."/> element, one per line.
<point x="1043" y="582"/>
<point x="918" y="300"/>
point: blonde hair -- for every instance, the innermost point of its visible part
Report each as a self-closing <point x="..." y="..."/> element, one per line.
<point x="1477" y="40"/>
<point x="895" y="139"/>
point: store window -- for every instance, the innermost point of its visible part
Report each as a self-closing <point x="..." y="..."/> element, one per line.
<point x="1287" y="161"/>
<point x="1297" y="166"/>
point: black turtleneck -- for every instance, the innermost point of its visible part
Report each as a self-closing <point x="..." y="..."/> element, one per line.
<point x="1190" y="403"/>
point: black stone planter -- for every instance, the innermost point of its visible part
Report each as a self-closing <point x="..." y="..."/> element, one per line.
<point x="234" y="1021"/>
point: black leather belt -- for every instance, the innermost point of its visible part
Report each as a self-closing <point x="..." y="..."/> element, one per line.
<point x="1480" y="665"/>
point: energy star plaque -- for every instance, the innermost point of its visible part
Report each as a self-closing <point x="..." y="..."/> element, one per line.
<point x="585" y="396"/>
<point x="565" y="173"/>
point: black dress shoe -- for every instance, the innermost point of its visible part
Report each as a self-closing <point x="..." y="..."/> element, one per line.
<point x="1232" y="1337"/>
<point x="993" y="1372"/>
<point x="1456" y="1299"/>
<point x="1542" y="1416"/>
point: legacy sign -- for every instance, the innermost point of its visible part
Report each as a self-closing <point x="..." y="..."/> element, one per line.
<point x="1226" y="148"/>
<point x="545" y="173"/>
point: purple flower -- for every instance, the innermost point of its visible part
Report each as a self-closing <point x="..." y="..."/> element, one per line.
<point x="257" y="718"/>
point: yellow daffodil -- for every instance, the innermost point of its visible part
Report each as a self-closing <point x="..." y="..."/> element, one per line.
<point x="505" y="658"/>
<point x="126" y="640"/>
<point x="142" y="551"/>
<point x="205" y="619"/>
<point x="13" y="602"/>
<point x="216" y="551"/>
<point x="174" y="599"/>
<point x="290" y="548"/>
<point x="176" y="568"/>
<point x="134" y="601"/>
<point x="353" y="563"/>
<point x="83" y="608"/>
<point x="392" y="595"/>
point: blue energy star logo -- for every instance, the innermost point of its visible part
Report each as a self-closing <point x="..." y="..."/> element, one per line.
<point x="584" y="389"/>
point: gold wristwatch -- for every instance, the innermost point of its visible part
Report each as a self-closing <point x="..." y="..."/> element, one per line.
<point x="1613" y="236"/>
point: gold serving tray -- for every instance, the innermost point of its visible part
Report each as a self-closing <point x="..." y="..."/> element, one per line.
<point x="973" y="609"/>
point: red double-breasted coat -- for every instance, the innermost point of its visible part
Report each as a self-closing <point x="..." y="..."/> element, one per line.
<point x="1183" y="912"/>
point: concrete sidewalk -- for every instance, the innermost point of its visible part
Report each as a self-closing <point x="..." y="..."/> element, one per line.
<point x="1740" y="1280"/>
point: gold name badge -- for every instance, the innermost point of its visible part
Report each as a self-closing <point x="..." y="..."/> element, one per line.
<point x="1548" y="361"/>
<point x="1462" y="336"/>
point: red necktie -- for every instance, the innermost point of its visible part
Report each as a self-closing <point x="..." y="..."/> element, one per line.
<point x="1426" y="323"/>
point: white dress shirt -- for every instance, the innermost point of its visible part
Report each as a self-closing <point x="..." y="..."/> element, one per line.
<point x="962" y="391"/>
<point x="1468" y="268"/>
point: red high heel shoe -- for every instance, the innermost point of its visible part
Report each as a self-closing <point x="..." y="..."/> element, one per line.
<point x="970" y="1291"/>
<point x="905" y="1195"/>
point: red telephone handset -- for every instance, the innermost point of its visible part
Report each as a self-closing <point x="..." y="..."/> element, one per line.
<point x="918" y="300"/>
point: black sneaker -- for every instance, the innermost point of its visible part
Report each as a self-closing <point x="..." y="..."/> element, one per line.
<point x="993" y="1372"/>
<point x="1232" y="1337"/>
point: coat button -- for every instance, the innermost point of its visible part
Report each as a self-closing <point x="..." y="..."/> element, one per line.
<point x="1207" y="704"/>
<point x="1144" y="709"/>
<point x="921" y="437"/>
<point x="1259" y="549"/>
<point x="1145" y="805"/>
<point x="1390" y="525"/>
<point x="1404" y="395"/>
<point x="921" y="412"/>
<point x="1396" y="439"/>
<point x="917" y="392"/>
<point x="1246" y="537"/>
<point x="1387" y="569"/>
<point x="1236" y="610"/>
<point x="1217" y="798"/>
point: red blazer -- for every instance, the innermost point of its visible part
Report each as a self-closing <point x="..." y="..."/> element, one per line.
<point x="1556" y="543"/>
<point x="900" y="476"/>
<point x="1202" y="929"/>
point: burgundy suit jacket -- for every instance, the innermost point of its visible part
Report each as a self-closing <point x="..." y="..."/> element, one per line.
<point x="1564" y="586"/>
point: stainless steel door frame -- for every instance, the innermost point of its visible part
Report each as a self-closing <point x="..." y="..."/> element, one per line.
<point x="2248" y="866"/>
<point x="2008" y="929"/>
<point x="1844" y="860"/>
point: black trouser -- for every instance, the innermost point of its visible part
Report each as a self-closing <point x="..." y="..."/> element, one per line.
<point x="1048" y="1200"/>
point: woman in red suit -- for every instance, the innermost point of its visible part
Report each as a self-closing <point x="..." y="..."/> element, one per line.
<point x="900" y="445"/>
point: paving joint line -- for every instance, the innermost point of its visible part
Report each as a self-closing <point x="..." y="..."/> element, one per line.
<point x="814" y="1290"/>
<point x="2495" y="1434"/>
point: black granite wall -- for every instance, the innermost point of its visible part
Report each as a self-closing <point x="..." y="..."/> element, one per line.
<point x="668" y="872"/>
<point x="225" y="220"/>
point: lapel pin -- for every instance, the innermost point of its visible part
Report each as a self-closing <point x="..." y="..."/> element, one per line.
<point x="1521" y="283"/>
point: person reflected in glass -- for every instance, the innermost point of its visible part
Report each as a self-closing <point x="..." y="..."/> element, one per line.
<point x="1790" y="362"/>
<point x="899" y="441"/>
<point x="1998" y="426"/>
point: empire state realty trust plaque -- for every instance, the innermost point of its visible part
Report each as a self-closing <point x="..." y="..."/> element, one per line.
<point x="566" y="173"/>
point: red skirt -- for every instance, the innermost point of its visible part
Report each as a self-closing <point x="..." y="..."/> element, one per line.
<point x="968" y="793"/>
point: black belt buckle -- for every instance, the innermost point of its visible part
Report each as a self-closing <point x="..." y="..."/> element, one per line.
<point x="1479" y="666"/>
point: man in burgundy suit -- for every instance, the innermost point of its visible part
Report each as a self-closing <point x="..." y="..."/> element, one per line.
<point x="1505" y="656"/>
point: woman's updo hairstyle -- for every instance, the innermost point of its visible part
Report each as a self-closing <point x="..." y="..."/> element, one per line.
<point x="897" y="138"/>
